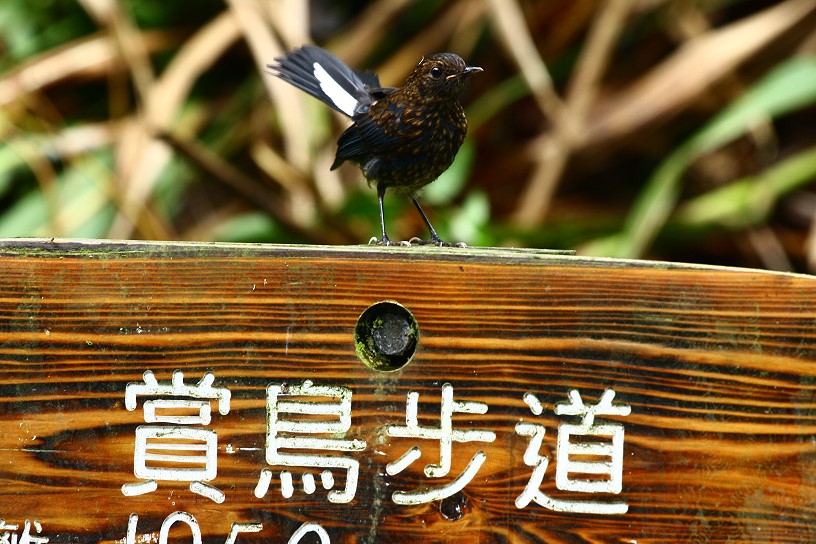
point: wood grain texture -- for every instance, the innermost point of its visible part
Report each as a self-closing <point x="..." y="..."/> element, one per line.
<point x="718" y="366"/>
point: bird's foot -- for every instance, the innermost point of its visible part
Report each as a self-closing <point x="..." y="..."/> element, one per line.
<point x="386" y="242"/>
<point x="434" y="242"/>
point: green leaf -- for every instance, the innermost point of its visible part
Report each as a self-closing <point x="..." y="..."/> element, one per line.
<point x="748" y="201"/>
<point x="452" y="181"/>
<point x="470" y="221"/>
<point x="78" y="205"/>
<point x="245" y="227"/>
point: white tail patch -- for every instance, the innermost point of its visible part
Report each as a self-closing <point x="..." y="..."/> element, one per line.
<point x="341" y="97"/>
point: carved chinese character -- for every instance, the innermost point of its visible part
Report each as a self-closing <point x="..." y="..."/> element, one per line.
<point x="182" y="451"/>
<point x="297" y="424"/>
<point x="446" y="435"/>
<point x="589" y="449"/>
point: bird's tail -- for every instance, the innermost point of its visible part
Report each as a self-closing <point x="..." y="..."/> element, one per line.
<point x="326" y="77"/>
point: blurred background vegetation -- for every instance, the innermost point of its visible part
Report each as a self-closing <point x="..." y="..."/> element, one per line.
<point x="670" y="129"/>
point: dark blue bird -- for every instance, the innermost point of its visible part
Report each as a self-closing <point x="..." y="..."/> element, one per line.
<point x="401" y="137"/>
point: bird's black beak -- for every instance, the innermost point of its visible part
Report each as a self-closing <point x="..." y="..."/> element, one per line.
<point x="468" y="71"/>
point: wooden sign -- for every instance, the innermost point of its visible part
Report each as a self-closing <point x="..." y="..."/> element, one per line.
<point x="154" y="393"/>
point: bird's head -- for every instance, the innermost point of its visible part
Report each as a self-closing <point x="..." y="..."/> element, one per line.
<point x="441" y="74"/>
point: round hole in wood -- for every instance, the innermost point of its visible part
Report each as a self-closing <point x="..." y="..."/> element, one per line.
<point x="386" y="336"/>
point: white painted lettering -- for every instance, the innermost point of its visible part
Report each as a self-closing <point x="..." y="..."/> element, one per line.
<point x="329" y="408"/>
<point x="446" y="435"/>
<point x="583" y="449"/>
<point x="193" y="450"/>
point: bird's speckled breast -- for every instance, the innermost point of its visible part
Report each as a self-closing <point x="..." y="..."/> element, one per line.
<point x="429" y="132"/>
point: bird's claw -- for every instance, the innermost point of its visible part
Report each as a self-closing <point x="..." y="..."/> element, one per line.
<point x="386" y="242"/>
<point x="415" y="241"/>
<point x="435" y="242"/>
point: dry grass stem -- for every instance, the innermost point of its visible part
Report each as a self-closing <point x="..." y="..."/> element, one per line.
<point x="140" y="157"/>
<point x="581" y="92"/>
<point x="769" y="249"/>
<point x="288" y="101"/>
<point x="691" y="71"/>
<point x="94" y="54"/>
<point x="129" y="41"/>
<point x="366" y="30"/>
<point x="511" y="27"/>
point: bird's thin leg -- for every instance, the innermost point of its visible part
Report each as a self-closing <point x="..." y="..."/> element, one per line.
<point x="385" y="240"/>
<point x="435" y="239"/>
<point x="380" y="195"/>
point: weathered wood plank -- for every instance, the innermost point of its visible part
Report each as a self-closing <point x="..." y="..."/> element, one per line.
<point x="716" y="365"/>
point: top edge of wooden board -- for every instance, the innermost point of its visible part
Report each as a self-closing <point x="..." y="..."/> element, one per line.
<point x="104" y="248"/>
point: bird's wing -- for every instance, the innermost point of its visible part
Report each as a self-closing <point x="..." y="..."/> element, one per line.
<point x="378" y="93"/>
<point x="363" y="139"/>
<point x="327" y="78"/>
<point x="371" y="80"/>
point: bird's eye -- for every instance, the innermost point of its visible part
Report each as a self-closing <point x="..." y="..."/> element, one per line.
<point x="436" y="72"/>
